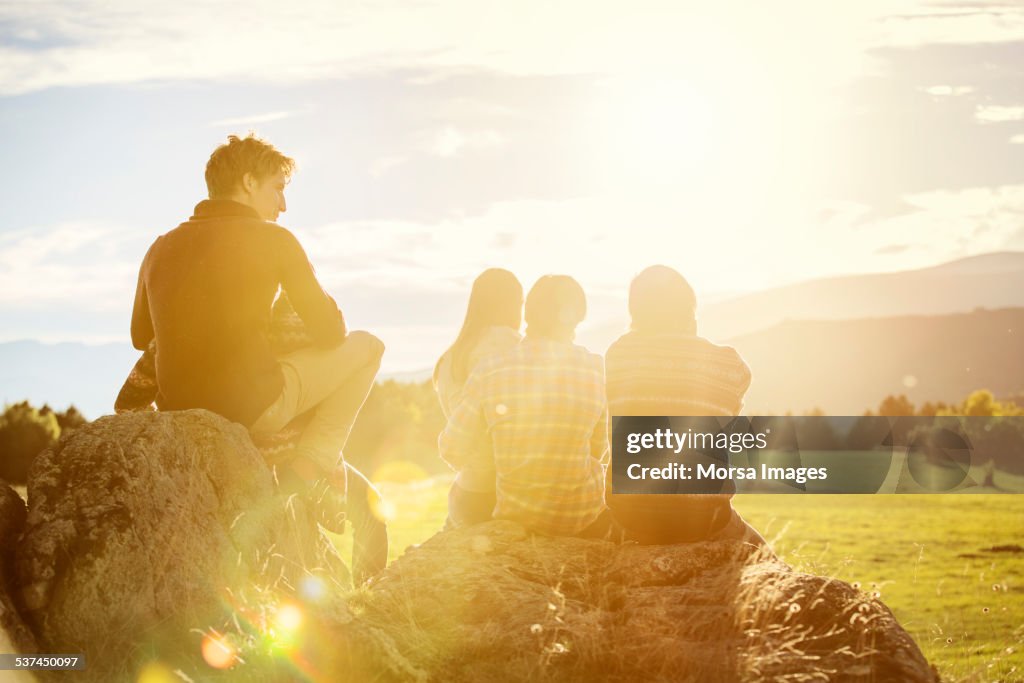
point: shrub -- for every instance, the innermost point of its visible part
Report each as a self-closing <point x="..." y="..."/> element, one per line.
<point x="24" y="433"/>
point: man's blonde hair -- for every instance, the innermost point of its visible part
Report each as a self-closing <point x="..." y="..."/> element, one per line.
<point x="238" y="156"/>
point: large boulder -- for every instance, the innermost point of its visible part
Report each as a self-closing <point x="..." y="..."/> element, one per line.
<point x="15" y="636"/>
<point x="491" y="603"/>
<point x="150" y="536"/>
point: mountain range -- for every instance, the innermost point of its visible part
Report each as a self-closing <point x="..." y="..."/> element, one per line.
<point x="845" y="367"/>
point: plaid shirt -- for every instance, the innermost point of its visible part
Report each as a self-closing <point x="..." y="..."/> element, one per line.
<point x="541" y="405"/>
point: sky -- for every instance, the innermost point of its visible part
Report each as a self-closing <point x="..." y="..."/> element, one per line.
<point x="746" y="144"/>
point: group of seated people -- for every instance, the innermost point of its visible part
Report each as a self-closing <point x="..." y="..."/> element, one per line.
<point x="527" y="415"/>
<point x="231" y="318"/>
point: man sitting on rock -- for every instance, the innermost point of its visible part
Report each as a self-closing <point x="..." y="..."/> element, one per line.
<point x="540" y="408"/>
<point x="204" y="298"/>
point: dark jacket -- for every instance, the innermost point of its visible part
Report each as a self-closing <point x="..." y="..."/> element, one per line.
<point x="205" y="293"/>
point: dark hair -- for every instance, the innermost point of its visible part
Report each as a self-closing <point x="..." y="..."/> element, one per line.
<point x="238" y="156"/>
<point x="495" y="299"/>
<point x="661" y="300"/>
<point x="555" y="305"/>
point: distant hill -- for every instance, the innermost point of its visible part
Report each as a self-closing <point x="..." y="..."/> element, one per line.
<point x="990" y="280"/>
<point x="848" y="366"/>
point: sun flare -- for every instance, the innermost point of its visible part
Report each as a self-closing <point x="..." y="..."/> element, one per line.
<point x="656" y="132"/>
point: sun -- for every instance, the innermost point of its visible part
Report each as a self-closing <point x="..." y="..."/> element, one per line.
<point x="655" y="132"/>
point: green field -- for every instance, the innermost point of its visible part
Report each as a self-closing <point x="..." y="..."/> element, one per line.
<point x="926" y="554"/>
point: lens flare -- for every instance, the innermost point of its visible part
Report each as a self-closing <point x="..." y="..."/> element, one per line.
<point x="383" y="508"/>
<point x="156" y="672"/>
<point x="399" y="472"/>
<point x="289" y="617"/>
<point x="218" y="652"/>
<point x="312" y="588"/>
<point x="481" y="544"/>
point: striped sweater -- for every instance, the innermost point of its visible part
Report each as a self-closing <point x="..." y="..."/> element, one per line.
<point x="672" y="374"/>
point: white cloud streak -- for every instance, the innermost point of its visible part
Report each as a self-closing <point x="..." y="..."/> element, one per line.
<point x="452" y="141"/>
<point x="999" y="114"/>
<point x="85" y="266"/>
<point x="49" y="44"/>
<point x="252" y="119"/>
<point x="927" y="23"/>
<point x="948" y="90"/>
<point x="943" y="225"/>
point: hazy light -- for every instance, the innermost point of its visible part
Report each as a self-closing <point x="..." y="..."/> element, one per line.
<point x="218" y="652"/>
<point x="383" y="509"/>
<point x="312" y="588"/>
<point x="399" y="472"/>
<point x="655" y="131"/>
<point x="481" y="544"/>
<point x="289" y="617"/>
<point x="156" y="672"/>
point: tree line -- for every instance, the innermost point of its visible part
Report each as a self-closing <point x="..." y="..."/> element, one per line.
<point x="26" y="431"/>
<point x="397" y="429"/>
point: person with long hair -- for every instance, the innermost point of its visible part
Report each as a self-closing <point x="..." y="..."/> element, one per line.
<point x="493" y="318"/>
<point x="662" y="367"/>
<point x="536" y="412"/>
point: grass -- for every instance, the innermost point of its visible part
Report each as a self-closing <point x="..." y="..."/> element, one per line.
<point x="925" y="554"/>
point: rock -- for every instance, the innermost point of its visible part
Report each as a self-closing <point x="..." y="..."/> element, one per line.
<point x="15" y="637"/>
<point x="146" y="530"/>
<point x="150" y="534"/>
<point x="492" y="603"/>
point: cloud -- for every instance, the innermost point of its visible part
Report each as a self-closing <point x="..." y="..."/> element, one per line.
<point x="915" y="127"/>
<point x="998" y="114"/>
<point x="948" y="224"/>
<point x="948" y="90"/>
<point x="605" y="240"/>
<point x="125" y="41"/>
<point x="83" y="265"/>
<point x="928" y="24"/>
<point x="252" y="119"/>
<point x="892" y="249"/>
<point x="451" y="141"/>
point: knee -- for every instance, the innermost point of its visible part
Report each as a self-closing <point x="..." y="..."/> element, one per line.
<point x="370" y="346"/>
